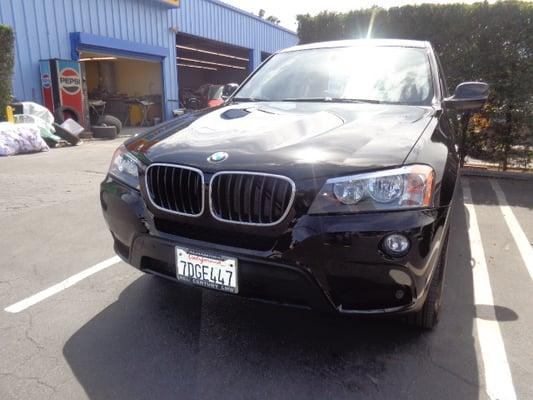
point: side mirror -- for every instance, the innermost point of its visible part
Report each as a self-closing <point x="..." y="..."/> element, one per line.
<point x="468" y="96"/>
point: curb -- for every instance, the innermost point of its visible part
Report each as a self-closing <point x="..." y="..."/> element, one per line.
<point x="521" y="176"/>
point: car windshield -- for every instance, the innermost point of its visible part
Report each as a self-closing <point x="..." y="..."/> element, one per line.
<point x="361" y="73"/>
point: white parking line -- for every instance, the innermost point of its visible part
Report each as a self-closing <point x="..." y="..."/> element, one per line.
<point x="498" y="379"/>
<point x="44" y="294"/>
<point x="520" y="238"/>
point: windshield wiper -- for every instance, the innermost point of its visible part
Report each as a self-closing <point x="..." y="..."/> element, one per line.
<point x="311" y="99"/>
<point x="331" y="100"/>
<point x="250" y="99"/>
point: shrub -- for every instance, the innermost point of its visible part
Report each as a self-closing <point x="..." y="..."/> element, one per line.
<point x="7" y="39"/>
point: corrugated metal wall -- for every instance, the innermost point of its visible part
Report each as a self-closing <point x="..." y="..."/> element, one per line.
<point x="42" y="29"/>
<point x="215" y="20"/>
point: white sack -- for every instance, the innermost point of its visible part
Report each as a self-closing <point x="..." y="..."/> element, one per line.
<point x="20" y="138"/>
<point x="38" y="110"/>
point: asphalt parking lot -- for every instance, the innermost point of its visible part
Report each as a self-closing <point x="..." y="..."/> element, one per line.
<point x="118" y="334"/>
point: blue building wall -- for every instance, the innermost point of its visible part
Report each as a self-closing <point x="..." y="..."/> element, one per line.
<point x="43" y="30"/>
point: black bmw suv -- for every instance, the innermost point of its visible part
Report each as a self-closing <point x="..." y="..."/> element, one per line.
<point x="324" y="182"/>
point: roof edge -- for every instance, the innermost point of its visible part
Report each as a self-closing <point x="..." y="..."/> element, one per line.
<point x="422" y="44"/>
<point x="249" y="14"/>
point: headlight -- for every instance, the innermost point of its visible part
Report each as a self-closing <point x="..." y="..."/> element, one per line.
<point x="400" y="188"/>
<point x="124" y="167"/>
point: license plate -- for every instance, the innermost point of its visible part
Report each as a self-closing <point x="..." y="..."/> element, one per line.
<point x="207" y="270"/>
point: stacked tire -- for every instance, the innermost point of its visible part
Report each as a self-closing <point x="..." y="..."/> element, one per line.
<point x="108" y="127"/>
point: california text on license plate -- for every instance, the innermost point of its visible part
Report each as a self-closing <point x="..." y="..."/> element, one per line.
<point x="207" y="270"/>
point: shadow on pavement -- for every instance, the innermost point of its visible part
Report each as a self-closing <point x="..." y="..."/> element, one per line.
<point x="517" y="193"/>
<point x="160" y="341"/>
<point x="498" y="313"/>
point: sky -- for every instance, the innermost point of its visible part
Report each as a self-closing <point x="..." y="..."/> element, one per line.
<point x="286" y="10"/>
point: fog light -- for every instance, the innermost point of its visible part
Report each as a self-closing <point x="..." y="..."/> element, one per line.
<point x="399" y="294"/>
<point x="396" y="245"/>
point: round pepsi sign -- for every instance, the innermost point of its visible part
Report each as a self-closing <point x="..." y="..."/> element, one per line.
<point x="46" y="81"/>
<point x="70" y="81"/>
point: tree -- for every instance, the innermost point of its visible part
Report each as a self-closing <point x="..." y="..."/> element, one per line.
<point x="273" y="19"/>
<point x="7" y="39"/>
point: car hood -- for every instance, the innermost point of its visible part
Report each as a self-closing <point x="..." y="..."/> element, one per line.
<point x="302" y="138"/>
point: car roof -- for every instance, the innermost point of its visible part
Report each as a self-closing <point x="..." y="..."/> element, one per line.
<point x="362" y="42"/>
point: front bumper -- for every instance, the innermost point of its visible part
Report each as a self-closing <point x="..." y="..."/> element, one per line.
<point x="327" y="263"/>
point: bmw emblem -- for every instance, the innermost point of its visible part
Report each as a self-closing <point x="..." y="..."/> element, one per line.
<point x="217" y="157"/>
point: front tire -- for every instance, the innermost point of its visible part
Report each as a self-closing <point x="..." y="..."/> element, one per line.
<point x="428" y="317"/>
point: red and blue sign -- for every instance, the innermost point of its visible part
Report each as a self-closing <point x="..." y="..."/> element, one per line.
<point x="70" y="81"/>
<point x="46" y="85"/>
<point x="61" y="85"/>
<point x="46" y="80"/>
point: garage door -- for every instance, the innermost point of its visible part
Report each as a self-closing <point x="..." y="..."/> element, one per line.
<point x="204" y="66"/>
<point x="130" y="89"/>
